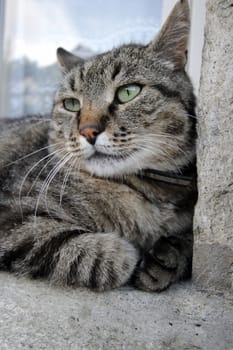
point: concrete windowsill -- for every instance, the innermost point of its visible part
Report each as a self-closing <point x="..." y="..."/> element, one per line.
<point x="37" y="316"/>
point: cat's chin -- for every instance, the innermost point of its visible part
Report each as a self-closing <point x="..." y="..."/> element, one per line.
<point x="106" y="165"/>
<point x="118" y="166"/>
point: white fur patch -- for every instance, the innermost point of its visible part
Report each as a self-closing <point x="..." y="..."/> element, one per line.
<point x="87" y="150"/>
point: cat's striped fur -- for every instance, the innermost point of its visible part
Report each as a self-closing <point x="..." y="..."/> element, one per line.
<point x="76" y="205"/>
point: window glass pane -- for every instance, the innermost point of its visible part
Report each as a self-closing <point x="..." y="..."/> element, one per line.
<point x="34" y="29"/>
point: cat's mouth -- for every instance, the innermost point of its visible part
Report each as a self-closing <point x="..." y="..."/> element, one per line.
<point x="103" y="156"/>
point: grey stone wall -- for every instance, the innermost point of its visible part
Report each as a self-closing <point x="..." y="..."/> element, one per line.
<point x="213" y="223"/>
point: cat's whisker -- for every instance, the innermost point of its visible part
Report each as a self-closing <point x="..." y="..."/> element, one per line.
<point x="33" y="153"/>
<point x="135" y="160"/>
<point x="56" y="170"/>
<point x="50" y="175"/>
<point x="66" y="177"/>
<point x="77" y="166"/>
<point x="156" y="137"/>
<point x="58" y="166"/>
<point x="191" y="116"/>
<point x="166" y="156"/>
<point x="53" y="154"/>
<point x="168" y="159"/>
<point x="154" y="152"/>
<point x="169" y="146"/>
<point x="155" y="145"/>
<point x="172" y="143"/>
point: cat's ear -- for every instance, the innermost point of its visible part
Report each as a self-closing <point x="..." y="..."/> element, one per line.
<point x="171" y="42"/>
<point x="67" y="60"/>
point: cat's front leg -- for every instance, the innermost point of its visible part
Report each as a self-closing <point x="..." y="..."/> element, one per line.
<point x="169" y="261"/>
<point x="67" y="255"/>
<point x="99" y="261"/>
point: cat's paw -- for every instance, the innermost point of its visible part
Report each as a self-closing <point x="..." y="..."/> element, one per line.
<point x="153" y="278"/>
<point x="158" y="269"/>
<point x="96" y="261"/>
<point x="163" y="265"/>
<point x="165" y="254"/>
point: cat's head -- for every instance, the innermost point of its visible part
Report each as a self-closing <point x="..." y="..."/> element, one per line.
<point x="129" y="109"/>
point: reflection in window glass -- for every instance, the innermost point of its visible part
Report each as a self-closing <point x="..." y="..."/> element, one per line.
<point x="34" y="29"/>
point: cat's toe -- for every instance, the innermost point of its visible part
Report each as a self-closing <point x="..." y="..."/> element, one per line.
<point x="154" y="278"/>
<point x="165" y="254"/>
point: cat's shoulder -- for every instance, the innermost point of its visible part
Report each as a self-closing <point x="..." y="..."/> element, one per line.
<point x="23" y="123"/>
<point x="21" y="136"/>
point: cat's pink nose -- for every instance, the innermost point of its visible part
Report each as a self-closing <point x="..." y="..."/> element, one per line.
<point x="90" y="132"/>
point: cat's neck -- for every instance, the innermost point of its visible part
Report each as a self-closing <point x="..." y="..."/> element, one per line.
<point x="183" y="177"/>
<point x="157" y="185"/>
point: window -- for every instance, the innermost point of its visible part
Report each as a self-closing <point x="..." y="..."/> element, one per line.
<point x="30" y="32"/>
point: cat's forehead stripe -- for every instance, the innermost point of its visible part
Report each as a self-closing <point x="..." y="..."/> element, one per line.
<point x="116" y="70"/>
<point x="81" y="73"/>
<point x="72" y="83"/>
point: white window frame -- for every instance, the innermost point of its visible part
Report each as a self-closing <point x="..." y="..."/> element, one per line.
<point x="2" y="23"/>
<point x="7" y="11"/>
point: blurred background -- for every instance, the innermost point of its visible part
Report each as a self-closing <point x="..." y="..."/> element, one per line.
<point x="31" y="31"/>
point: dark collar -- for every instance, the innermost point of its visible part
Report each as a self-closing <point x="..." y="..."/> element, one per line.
<point x="168" y="177"/>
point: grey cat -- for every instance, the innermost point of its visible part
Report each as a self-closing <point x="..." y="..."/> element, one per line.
<point x="103" y="194"/>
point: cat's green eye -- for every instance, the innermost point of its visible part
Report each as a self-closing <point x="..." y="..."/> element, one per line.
<point x="127" y="93"/>
<point x="71" y="104"/>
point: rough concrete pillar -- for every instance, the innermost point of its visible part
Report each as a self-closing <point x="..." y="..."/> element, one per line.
<point x="213" y="222"/>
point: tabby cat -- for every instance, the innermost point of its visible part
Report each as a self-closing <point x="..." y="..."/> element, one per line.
<point x="102" y="193"/>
